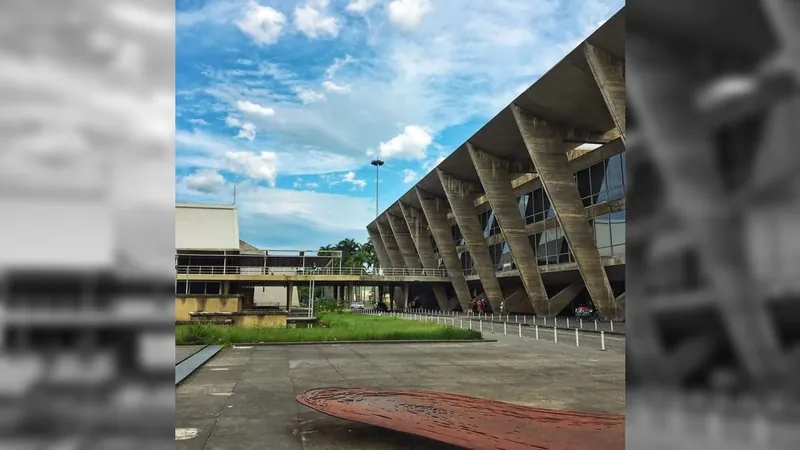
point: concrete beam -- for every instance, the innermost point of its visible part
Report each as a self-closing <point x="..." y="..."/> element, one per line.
<point x="609" y="73"/>
<point x="390" y="243"/>
<point x="380" y="249"/>
<point x="461" y="197"/>
<point x="404" y="242"/>
<point x="545" y="146"/>
<point x="418" y="226"/>
<point x="435" y="210"/>
<point x="496" y="180"/>
<point x="563" y="298"/>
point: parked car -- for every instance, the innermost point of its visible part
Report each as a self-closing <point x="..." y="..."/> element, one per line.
<point x="586" y="312"/>
<point x="356" y="306"/>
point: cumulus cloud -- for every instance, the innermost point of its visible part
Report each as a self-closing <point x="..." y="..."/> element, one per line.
<point x="407" y="14"/>
<point x="410" y="144"/>
<point x="261" y="166"/>
<point x="199" y="122"/>
<point x="337" y="64"/>
<point x="409" y="176"/>
<point x="206" y="181"/>
<point x="247" y="131"/>
<point x="246" y="106"/>
<point x="348" y="178"/>
<point x="262" y="23"/>
<point x="314" y="21"/>
<point x="330" y="86"/>
<point x="360" y="6"/>
<point x="308" y="96"/>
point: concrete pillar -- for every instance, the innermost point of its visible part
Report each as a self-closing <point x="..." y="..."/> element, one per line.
<point x="404" y="242"/>
<point x="380" y="249"/>
<point x="226" y="287"/>
<point x="289" y="293"/>
<point x="404" y="296"/>
<point x="435" y="210"/>
<point x="390" y="243"/>
<point x="548" y="152"/>
<point x="418" y="227"/>
<point x="461" y="196"/>
<point x="609" y="73"/>
<point x="496" y="180"/>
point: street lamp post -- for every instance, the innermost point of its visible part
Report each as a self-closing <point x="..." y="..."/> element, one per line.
<point x="377" y="163"/>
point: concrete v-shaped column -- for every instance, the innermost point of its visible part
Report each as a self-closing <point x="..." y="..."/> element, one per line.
<point x="545" y="145"/>
<point x="404" y="242"/>
<point x="494" y="175"/>
<point x="435" y="210"/>
<point x="389" y="242"/>
<point x="461" y="196"/>
<point x="395" y="258"/>
<point x="418" y="227"/>
<point x="380" y="249"/>
<point x="609" y="73"/>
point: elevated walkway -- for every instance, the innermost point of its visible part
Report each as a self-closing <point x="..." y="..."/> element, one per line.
<point x="320" y="275"/>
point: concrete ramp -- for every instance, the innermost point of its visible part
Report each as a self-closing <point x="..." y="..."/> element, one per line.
<point x="518" y="302"/>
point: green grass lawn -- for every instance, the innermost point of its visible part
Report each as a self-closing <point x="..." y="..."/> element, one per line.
<point x="332" y="327"/>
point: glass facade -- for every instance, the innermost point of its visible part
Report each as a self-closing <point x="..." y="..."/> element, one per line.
<point x="602" y="182"/>
<point x="535" y="206"/>
<point x="551" y="247"/>
<point x="609" y="233"/>
<point x="501" y="257"/>
<point x="489" y="224"/>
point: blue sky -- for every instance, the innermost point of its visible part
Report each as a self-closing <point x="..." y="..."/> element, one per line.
<point x="290" y="100"/>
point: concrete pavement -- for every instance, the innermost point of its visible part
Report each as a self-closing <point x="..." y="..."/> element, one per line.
<point x="244" y="398"/>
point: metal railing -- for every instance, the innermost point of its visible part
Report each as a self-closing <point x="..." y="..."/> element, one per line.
<point x="316" y="271"/>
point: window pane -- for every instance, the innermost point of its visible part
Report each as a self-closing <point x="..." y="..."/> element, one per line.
<point x="584" y="185"/>
<point x="538" y="206"/>
<point x="551" y="236"/>
<point x="614" y="172"/>
<point x="616" y="194"/>
<point x="619" y="250"/>
<point x="602" y="231"/>
<point x="606" y="251"/>
<point x="529" y="204"/>
<point x="617" y="223"/>
<point x="598" y="176"/>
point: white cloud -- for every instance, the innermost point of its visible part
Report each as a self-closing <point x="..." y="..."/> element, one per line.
<point x="313" y="20"/>
<point x="312" y="185"/>
<point x="333" y="87"/>
<point x="232" y="121"/>
<point x="410" y="144"/>
<point x="337" y="64"/>
<point x="431" y="164"/>
<point x="350" y="177"/>
<point x="261" y="167"/>
<point x="262" y="23"/>
<point x="206" y="181"/>
<point x="408" y="14"/>
<point x="249" y="107"/>
<point x="247" y="131"/>
<point x="199" y="122"/>
<point x="409" y="176"/>
<point x="200" y="150"/>
<point x="308" y="96"/>
<point x="360" y="6"/>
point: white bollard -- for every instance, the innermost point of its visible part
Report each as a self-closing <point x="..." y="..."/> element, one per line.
<point x="481" y="324"/>
<point x="577" y="339"/>
<point x="505" y="329"/>
<point x="602" y="340"/>
<point x="525" y="319"/>
<point x="581" y="320"/>
<point x="437" y="320"/>
<point x="537" y="332"/>
<point x="567" y="322"/>
<point x="460" y="323"/>
<point x="492" y="326"/>
<point x="612" y="325"/>
<point x="555" y="322"/>
<point x="519" y="329"/>
<point x="595" y="324"/>
<point x="555" y="335"/>
<point x="545" y="320"/>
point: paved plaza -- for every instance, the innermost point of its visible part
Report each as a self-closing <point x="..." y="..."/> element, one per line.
<point x="244" y="398"/>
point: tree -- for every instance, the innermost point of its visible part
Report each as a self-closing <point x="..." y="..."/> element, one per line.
<point x="354" y="254"/>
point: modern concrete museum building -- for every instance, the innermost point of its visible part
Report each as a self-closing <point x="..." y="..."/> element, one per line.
<point x="530" y="210"/>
